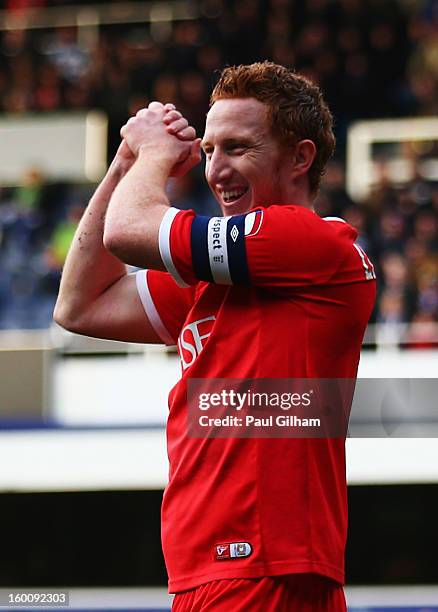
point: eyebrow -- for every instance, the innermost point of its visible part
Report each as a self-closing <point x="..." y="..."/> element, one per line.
<point x="229" y="141"/>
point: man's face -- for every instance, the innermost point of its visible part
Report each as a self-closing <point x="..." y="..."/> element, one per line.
<point x="244" y="163"/>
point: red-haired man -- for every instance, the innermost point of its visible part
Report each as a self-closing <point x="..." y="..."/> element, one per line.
<point x="269" y="290"/>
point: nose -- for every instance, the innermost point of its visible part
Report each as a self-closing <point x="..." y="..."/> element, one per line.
<point x="217" y="168"/>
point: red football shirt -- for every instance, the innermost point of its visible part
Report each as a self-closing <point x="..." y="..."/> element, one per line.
<point x="275" y="293"/>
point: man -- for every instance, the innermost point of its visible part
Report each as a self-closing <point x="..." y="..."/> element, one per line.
<point x="270" y="290"/>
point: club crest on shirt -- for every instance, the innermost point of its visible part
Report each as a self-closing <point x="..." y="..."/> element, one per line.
<point x="232" y="550"/>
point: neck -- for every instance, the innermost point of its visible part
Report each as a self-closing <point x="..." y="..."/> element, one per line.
<point x="298" y="193"/>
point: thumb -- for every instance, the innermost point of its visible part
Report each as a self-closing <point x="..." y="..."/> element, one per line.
<point x="195" y="151"/>
<point x="124" y="149"/>
<point x="192" y="159"/>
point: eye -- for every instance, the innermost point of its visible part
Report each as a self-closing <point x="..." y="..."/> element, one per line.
<point x="208" y="152"/>
<point x="238" y="148"/>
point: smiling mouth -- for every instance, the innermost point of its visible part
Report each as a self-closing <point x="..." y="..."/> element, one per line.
<point x="232" y="195"/>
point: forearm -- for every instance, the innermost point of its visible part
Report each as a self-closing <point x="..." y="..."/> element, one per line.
<point x="136" y="209"/>
<point x="89" y="268"/>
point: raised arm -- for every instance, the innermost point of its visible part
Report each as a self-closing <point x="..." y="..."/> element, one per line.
<point x="139" y="201"/>
<point x="97" y="297"/>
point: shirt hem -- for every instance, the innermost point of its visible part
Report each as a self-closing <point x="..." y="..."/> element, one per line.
<point x="259" y="570"/>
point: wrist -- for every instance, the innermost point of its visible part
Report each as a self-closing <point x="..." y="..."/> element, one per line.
<point x="159" y="158"/>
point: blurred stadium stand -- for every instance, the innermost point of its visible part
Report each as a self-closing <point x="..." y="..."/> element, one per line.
<point x="81" y="488"/>
<point x="372" y="59"/>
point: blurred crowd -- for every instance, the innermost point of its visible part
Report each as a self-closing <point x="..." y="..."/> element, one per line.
<point x="372" y="58"/>
<point x="398" y="228"/>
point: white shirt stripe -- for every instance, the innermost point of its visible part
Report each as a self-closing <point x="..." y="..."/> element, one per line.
<point x="334" y="219"/>
<point x="164" y="245"/>
<point x="217" y="249"/>
<point x="149" y="307"/>
<point x="369" y="274"/>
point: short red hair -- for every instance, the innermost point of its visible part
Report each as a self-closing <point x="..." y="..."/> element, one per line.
<point x="297" y="110"/>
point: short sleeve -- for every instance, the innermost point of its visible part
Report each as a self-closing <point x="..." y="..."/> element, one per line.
<point x="269" y="247"/>
<point x="165" y="303"/>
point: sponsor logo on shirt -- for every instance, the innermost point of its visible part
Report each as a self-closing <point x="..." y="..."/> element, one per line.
<point x="191" y="340"/>
<point x="232" y="550"/>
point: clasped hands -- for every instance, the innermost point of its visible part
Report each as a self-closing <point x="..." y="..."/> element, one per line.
<point x="160" y="131"/>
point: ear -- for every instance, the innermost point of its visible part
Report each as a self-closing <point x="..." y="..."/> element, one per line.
<point x="303" y="156"/>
